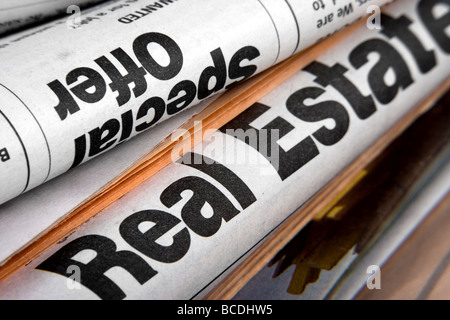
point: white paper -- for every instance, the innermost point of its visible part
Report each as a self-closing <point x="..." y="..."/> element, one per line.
<point x="178" y="231"/>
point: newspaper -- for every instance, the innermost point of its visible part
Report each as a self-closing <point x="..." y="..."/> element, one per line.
<point x="70" y="93"/>
<point x="15" y="15"/>
<point x="181" y="229"/>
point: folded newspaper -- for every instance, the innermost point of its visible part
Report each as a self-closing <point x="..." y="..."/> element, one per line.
<point x="71" y="92"/>
<point x="181" y="229"/>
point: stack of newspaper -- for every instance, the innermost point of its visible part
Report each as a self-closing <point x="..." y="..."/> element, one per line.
<point x="183" y="149"/>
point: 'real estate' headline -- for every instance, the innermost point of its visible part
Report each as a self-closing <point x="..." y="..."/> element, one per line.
<point x="179" y="231"/>
<point x="76" y="87"/>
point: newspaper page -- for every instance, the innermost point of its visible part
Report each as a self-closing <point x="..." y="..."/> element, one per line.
<point x="15" y="15"/>
<point x="71" y="93"/>
<point x="178" y="231"/>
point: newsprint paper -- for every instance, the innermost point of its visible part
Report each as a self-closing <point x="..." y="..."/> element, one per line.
<point x="69" y="93"/>
<point x="178" y="231"/>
